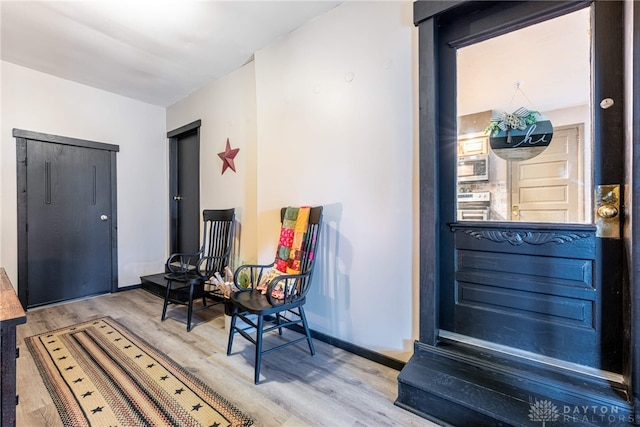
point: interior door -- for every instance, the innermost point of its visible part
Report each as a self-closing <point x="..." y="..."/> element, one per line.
<point x="553" y="289"/>
<point x="185" y="188"/>
<point x="551" y="186"/>
<point x="68" y="222"/>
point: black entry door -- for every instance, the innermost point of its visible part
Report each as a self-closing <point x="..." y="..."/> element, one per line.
<point x="185" y="188"/>
<point x="548" y="288"/>
<point x="68" y="221"/>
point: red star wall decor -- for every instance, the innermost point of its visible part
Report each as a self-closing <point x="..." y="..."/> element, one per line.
<point x="227" y="157"/>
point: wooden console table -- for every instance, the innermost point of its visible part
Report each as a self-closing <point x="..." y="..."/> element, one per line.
<point x="11" y="315"/>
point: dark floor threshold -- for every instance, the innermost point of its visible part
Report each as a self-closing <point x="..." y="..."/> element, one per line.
<point x="463" y="385"/>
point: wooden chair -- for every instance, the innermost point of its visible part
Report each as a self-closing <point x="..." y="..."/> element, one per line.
<point x="264" y="312"/>
<point x="187" y="273"/>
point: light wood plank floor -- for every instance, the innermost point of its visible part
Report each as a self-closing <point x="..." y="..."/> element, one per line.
<point x="334" y="388"/>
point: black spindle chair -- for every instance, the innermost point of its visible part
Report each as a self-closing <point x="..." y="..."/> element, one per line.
<point x="186" y="274"/>
<point x="263" y="312"/>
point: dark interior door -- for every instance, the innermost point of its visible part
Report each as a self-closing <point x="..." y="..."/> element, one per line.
<point x="549" y="288"/>
<point x="185" y="189"/>
<point x="68" y="222"/>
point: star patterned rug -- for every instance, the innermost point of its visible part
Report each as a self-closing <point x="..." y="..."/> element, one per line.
<point x="101" y="374"/>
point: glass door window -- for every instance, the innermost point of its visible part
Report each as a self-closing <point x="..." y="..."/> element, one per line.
<point x="535" y="172"/>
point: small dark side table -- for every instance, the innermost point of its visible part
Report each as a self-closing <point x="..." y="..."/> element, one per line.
<point x="11" y="315"/>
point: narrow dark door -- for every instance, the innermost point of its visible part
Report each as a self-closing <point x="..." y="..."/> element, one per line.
<point x="68" y="222"/>
<point x="185" y="188"/>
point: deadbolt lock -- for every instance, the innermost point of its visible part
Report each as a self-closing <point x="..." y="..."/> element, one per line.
<point x="607" y="211"/>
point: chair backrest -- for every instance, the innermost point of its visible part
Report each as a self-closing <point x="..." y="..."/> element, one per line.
<point x="309" y="246"/>
<point x="217" y="239"/>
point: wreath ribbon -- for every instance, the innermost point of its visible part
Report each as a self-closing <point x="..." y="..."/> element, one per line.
<point x="515" y="120"/>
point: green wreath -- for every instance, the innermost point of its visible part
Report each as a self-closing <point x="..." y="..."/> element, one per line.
<point x="519" y="119"/>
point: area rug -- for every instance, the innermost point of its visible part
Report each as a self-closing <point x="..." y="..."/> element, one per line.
<point x="101" y="374"/>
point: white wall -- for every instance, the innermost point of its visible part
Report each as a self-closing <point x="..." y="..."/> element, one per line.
<point x="227" y="108"/>
<point x="335" y="118"/>
<point x="42" y="103"/>
<point x="332" y="123"/>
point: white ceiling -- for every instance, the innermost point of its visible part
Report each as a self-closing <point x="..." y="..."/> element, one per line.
<point x="156" y="51"/>
<point x="542" y="67"/>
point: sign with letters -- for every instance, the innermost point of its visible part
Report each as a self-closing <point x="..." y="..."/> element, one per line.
<point x="522" y="143"/>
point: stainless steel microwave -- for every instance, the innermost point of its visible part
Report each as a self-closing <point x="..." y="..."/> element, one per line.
<point x="473" y="168"/>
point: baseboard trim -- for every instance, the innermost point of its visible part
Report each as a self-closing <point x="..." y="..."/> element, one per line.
<point x="380" y="358"/>
<point x="128" y="288"/>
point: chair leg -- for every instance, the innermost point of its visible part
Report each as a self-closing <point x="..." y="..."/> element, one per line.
<point x="232" y="331"/>
<point x="278" y="316"/>
<point x="307" y="331"/>
<point x="256" y="377"/>
<point x="190" y="306"/>
<point x="166" y="300"/>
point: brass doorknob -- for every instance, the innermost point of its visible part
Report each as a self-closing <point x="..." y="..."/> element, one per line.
<point x="607" y="211"/>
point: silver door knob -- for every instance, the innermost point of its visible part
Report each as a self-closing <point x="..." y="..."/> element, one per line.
<point x="103" y="217"/>
<point x="178" y="198"/>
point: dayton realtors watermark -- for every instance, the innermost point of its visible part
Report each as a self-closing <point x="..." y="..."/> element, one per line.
<point x="547" y="413"/>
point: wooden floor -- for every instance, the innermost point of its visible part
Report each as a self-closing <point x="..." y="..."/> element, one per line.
<point x="333" y="388"/>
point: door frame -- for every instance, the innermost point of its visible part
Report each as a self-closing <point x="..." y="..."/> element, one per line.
<point x="433" y="139"/>
<point x="21" y="177"/>
<point x="173" y="137"/>
<point x="632" y="234"/>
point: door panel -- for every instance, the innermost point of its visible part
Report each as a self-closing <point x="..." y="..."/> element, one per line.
<point x="188" y="190"/>
<point x="68" y="222"/>
<point x="185" y="188"/>
<point x="549" y="187"/>
<point x="530" y="289"/>
<point x="554" y="289"/>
